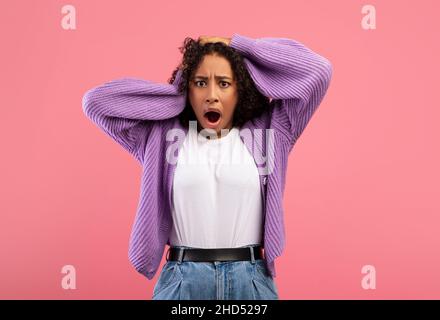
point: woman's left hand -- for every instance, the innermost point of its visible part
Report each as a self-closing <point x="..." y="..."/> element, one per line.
<point x="206" y="39"/>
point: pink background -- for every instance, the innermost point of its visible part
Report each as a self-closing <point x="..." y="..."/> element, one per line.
<point x="362" y="185"/>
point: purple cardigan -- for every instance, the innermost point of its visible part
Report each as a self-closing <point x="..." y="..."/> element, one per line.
<point x="142" y="116"/>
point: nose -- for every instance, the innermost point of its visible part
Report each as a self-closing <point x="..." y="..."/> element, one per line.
<point x="212" y="94"/>
<point x="210" y="100"/>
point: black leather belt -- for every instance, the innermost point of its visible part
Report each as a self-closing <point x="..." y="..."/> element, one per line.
<point x="217" y="254"/>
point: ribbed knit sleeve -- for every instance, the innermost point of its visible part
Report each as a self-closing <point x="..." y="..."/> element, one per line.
<point x="124" y="108"/>
<point x="295" y="77"/>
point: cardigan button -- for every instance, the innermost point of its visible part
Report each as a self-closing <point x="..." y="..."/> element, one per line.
<point x="264" y="180"/>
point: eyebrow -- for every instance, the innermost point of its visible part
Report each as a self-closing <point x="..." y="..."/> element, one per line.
<point x="217" y="77"/>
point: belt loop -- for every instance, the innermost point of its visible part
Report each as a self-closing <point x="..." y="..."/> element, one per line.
<point x="252" y="255"/>
<point x="180" y="257"/>
<point x="167" y="257"/>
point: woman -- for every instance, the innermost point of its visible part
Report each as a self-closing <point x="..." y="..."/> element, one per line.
<point x="214" y="144"/>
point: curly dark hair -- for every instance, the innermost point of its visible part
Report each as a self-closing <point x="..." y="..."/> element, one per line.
<point x="250" y="104"/>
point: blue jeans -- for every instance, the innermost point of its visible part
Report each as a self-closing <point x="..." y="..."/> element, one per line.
<point x="218" y="280"/>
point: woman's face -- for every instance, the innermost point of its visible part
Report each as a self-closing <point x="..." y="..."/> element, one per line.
<point x="213" y="93"/>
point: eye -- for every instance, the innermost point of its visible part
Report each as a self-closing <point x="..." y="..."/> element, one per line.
<point x="223" y="84"/>
<point x="196" y="82"/>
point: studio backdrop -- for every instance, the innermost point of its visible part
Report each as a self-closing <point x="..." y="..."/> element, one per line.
<point x="360" y="206"/>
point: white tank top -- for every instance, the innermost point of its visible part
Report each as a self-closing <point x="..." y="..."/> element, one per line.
<point x="216" y="193"/>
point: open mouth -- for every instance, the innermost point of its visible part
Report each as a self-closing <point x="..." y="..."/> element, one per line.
<point x="212" y="116"/>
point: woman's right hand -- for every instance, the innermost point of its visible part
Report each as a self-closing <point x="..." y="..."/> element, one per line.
<point x="207" y="39"/>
